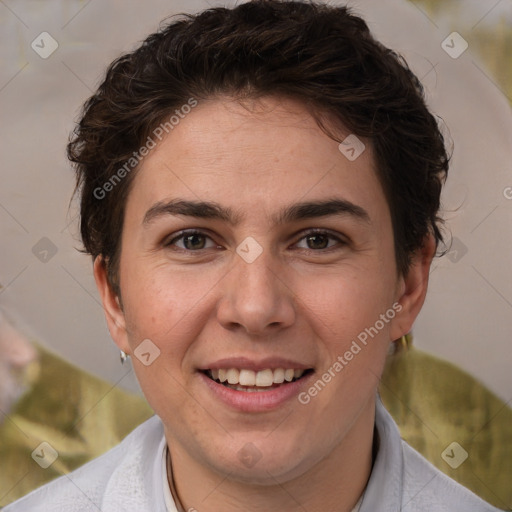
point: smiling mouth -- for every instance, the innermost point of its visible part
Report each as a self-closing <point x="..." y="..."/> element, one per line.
<point x="251" y="381"/>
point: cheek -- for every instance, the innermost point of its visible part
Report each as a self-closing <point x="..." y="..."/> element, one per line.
<point x="164" y="308"/>
<point x="160" y="305"/>
<point x="348" y="301"/>
<point x="171" y="307"/>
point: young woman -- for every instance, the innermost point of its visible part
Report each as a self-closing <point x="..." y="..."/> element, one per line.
<point x="259" y="193"/>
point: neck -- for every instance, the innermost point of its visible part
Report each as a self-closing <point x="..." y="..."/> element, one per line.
<point x="335" y="483"/>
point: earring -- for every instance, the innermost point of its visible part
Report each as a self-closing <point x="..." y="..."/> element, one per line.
<point x="123" y="356"/>
<point x="401" y="344"/>
<point x="406" y="341"/>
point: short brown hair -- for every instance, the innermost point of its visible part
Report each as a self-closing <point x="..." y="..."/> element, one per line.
<point x="323" y="56"/>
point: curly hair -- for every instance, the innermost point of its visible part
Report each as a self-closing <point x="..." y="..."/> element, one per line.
<point x="323" y="56"/>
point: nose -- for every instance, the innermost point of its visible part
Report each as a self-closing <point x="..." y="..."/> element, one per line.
<point x="256" y="297"/>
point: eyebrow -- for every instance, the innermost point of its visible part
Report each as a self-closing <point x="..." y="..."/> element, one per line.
<point x="292" y="213"/>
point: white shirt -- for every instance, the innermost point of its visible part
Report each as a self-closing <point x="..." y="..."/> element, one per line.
<point x="131" y="478"/>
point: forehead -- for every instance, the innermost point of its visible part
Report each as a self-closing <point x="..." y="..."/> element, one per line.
<point x="254" y="156"/>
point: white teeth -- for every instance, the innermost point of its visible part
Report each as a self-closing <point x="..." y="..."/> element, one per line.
<point x="249" y="378"/>
<point x="288" y="375"/>
<point x="264" y="378"/>
<point x="233" y="376"/>
<point x="247" y="389"/>
<point x="279" y="375"/>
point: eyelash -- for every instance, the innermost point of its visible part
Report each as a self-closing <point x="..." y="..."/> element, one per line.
<point x="181" y="235"/>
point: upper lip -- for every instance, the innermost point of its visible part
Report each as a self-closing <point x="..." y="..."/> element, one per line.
<point x="255" y="365"/>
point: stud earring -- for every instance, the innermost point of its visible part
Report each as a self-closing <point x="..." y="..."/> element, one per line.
<point x="123" y="356"/>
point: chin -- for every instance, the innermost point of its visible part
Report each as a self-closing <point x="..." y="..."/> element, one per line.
<point x="257" y="464"/>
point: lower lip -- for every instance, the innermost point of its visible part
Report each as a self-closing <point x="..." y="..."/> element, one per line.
<point x="257" y="401"/>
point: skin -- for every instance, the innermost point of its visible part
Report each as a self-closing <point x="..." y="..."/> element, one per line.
<point x="301" y="299"/>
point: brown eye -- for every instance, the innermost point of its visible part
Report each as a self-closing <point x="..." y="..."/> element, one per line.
<point x="319" y="240"/>
<point x="194" y="241"/>
<point x="191" y="241"/>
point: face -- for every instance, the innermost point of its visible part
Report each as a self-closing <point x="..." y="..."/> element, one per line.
<point x="253" y="250"/>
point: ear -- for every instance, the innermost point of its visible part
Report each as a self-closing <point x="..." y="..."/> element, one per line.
<point x="111" y="305"/>
<point x="412" y="289"/>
